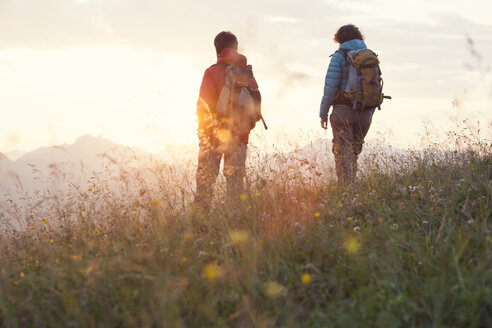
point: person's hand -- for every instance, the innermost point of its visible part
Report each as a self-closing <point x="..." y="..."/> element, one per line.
<point x="324" y="123"/>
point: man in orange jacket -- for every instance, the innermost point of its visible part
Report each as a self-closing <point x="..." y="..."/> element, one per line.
<point x="216" y="138"/>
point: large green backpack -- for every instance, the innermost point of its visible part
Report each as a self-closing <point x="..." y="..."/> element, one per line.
<point x="364" y="85"/>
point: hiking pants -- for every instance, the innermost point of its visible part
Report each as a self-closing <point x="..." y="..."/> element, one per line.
<point x="209" y="158"/>
<point x="349" y="130"/>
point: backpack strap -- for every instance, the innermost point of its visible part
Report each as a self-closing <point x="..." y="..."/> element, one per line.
<point x="361" y="81"/>
<point x="373" y="82"/>
<point x="356" y="91"/>
<point x="381" y="94"/>
<point x="343" y="51"/>
<point x="359" y="86"/>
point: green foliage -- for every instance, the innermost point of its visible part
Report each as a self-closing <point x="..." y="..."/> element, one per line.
<point x="407" y="248"/>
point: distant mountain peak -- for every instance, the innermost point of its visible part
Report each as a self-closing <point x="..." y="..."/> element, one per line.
<point x="88" y="139"/>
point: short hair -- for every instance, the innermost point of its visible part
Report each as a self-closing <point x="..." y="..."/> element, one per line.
<point x="348" y="32"/>
<point x="224" y="40"/>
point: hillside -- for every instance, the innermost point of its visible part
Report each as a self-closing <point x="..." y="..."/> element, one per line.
<point x="408" y="247"/>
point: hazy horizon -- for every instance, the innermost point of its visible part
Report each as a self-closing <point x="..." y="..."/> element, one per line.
<point x="130" y="70"/>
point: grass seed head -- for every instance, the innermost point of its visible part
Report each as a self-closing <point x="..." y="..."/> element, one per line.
<point x="351" y="245"/>
<point x="238" y="237"/>
<point x="274" y="290"/>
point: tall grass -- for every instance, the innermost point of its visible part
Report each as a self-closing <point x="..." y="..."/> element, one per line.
<point x="408" y="245"/>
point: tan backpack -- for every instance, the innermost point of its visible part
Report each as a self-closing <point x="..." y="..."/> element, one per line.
<point x="239" y="102"/>
<point x="364" y="85"/>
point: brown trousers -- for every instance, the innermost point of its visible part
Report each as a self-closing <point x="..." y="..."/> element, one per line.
<point x="349" y="130"/>
<point x="209" y="158"/>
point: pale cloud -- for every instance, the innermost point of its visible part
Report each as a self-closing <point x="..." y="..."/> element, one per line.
<point x="125" y="55"/>
<point x="162" y="25"/>
<point x="283" y="19"/>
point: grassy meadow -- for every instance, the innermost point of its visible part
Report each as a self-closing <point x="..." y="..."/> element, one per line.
<point x="409" y="246"/>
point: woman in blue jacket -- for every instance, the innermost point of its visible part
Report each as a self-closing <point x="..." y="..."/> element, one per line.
<point x="349" y="126"/>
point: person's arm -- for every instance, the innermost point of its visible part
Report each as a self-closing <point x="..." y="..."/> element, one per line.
<point x="332" y="84"/>
<point x="206" y="103"/>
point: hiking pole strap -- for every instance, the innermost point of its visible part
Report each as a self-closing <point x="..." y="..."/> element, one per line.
<point x="356" y="95"/>
<point x="264" y="124"/>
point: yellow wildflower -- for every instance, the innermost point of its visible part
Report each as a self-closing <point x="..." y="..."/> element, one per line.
<point x="317" y="214"/>
<point x="51" y="241"/>
<point x="258" y="194"/>
<point x="44" y="221"/>
<point x="89" y="189"/>
<point x="340" y="205"/>
<point x="96" y="232"/>
<point x="211" y="272"/>
<point x="242" y="197"/>
<point x="306" y="279"/>
<point x="155" y="202"/>
<point x="349" y="219"/>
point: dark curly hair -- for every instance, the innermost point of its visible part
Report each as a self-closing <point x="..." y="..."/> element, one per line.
<point x="225" y="40"/>
<point x="348" y="32"/>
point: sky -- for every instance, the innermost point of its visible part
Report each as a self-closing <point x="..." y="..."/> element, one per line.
<point x="130" y="70"/>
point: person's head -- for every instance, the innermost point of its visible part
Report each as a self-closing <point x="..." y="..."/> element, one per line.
<point x="225" y="40"/>
<point x="348" y="32"/>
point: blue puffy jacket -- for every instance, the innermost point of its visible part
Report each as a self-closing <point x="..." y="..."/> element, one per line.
<point x="336" y="77"/>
